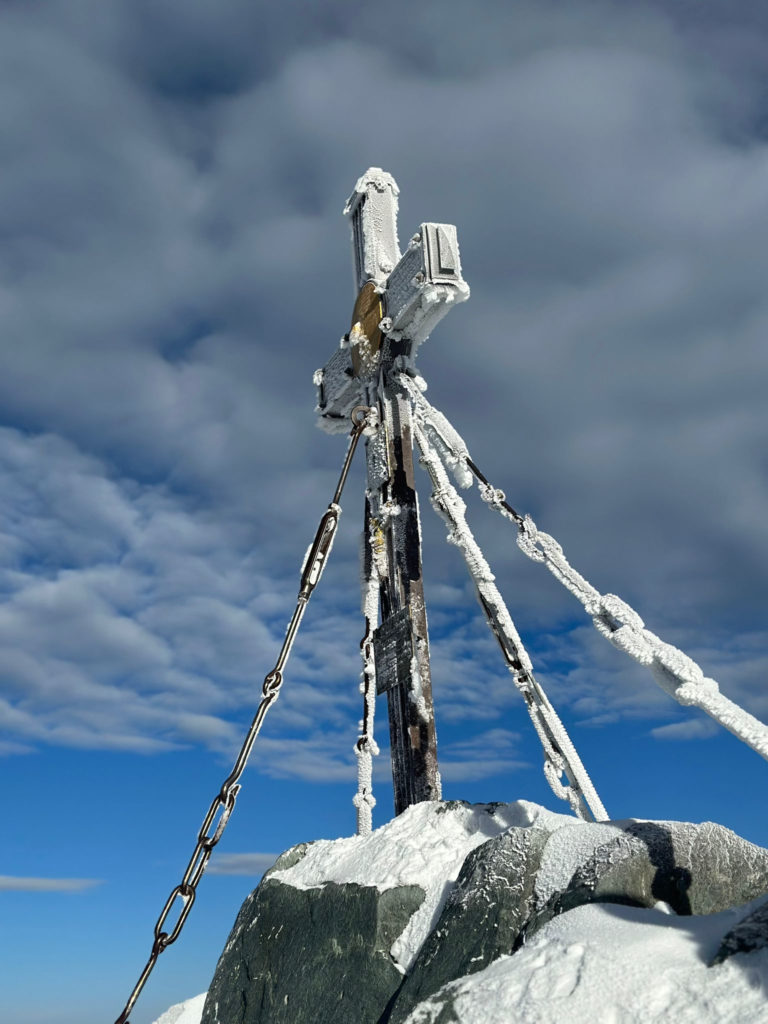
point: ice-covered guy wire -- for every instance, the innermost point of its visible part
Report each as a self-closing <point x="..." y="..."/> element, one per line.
<point x="560" y="754"/>
<point x="366" y="747"/>
<point x="675" y="672"/>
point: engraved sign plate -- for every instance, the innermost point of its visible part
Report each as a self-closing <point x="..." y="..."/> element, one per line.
<point x="442" y="253"/>
<point x="393" y="650"/>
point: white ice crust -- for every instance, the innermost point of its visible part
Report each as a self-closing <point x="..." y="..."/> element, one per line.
<point x="676" y="673"/>
<point x="423" y="846"/>
<point x="607" y="964"/>
<point x="597" y="963"/>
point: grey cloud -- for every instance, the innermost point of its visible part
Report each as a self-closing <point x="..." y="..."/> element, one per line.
<point x="493" y="752"/>
<point x="241" y="863"/>
<point x="174" y="267"/>
<point x="13" y="883"/>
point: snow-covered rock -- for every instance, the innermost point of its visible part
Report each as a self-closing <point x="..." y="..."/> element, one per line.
<point x="748" y="934"/>
<point x="609" y="964"/>
<point x="457" y="913"/>
<point x="188" y="1012"/>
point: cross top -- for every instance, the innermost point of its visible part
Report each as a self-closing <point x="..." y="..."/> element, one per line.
<point x="401" y="297"/>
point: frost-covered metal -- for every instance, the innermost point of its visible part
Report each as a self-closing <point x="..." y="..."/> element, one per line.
<point x="673" y="670"/>
<point x="415" y="291"/>
<point x="560" y="754"/>
<point x="676" y="673"/>
<point x="366" y="747"/>
<point x="400" y="299"/>
<point x="372" y="210"/>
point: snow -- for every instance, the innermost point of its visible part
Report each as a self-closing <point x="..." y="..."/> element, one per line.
<point x="566" y="849"/>
<point x="616" y="965"/>
<point x="419" y="847"/>
<point x="599" y="962"/>
<point x="188" y="1012"/>
<point x="606" y="963"/>
<point x="416" y="694"/>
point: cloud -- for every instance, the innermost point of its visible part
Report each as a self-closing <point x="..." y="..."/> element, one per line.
<point x="14" y="883"/>
<point x="174" y="267"/>
<point x="493" y="752"/>
<point x="241" y="863"/>
<point x="690" y="729"/>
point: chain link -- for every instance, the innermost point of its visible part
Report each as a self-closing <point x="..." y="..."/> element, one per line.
<point x="224" y="801"/>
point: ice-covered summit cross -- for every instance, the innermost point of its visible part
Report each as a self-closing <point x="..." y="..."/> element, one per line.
<point x="401" y="297"/>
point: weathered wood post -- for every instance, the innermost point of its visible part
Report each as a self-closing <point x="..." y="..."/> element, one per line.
<point x="400" y="299"/>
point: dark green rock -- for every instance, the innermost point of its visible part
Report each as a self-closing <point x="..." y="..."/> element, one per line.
<point x="749" y="934"/>
<point x="482" y="918"/>
<point x="322" y="955"/>
<point x="310" y="956"/>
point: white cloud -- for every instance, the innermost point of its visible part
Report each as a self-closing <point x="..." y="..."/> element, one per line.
<point x="690" y="729"/>
<point x="493" y="752"/>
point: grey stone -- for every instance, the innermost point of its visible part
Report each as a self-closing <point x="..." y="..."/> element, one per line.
<point x="288" y="859"/>
<point x="322" y="955"/>
<point x="442" y="1011"/>
<point x="749" y="934"/>
<point x="310" y="956"/>
<point x="696" y="869"/>
<point x="702" y="869"/>
<point x="482" y="918"/>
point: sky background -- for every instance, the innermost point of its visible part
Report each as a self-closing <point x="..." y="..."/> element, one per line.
<point x="174" y="266"/>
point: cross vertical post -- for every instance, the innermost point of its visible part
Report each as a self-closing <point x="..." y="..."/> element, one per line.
<point x="400" y="299"/>
<point x="413" y="739"/>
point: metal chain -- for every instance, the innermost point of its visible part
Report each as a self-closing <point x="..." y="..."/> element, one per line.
<point x="224" y="801"/>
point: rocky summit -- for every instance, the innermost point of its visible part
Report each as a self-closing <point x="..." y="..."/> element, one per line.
<point x="389" y="928"/>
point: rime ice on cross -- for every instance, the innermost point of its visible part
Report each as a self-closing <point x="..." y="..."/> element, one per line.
<point x="400" y="300"/>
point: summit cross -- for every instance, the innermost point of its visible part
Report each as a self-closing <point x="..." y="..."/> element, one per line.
<point x="400" y="299"/>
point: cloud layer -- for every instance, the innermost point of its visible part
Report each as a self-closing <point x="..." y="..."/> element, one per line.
<point x="174" y="266"/>
<point x="14" y="883"/>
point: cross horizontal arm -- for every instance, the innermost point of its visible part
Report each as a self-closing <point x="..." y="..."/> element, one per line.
<point x="401" y="298"/>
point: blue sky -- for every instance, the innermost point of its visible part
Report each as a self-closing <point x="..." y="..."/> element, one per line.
<point x="174" y="266"/>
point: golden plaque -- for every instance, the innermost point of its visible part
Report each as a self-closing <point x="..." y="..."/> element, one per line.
<point x="365" y="335"/>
